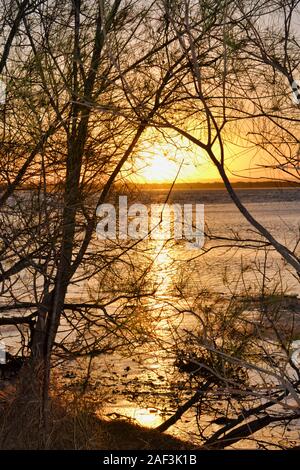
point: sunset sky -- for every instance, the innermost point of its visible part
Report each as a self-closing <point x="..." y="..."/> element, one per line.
<point x="162" y="160"/>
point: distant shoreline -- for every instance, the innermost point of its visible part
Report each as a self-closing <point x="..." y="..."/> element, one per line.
<point x="215" y="185"/>
<point x="218" y="185"/>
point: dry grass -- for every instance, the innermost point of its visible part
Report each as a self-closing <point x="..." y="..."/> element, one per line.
<point x="71" y="424"/>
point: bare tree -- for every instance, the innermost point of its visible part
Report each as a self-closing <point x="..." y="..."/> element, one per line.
<point x="67" y="133"/>
<point x="85" y="81"/>
<point x="212" y="59"/>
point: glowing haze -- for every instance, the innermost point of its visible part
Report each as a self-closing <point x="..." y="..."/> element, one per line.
<point x="162" y="159"/>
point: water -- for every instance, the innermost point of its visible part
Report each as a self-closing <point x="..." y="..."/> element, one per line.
<point x="139" y="385"/>
<point x="277" y="210"/>
<point x="142" y="382"/>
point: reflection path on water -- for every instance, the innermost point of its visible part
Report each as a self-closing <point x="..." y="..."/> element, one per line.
<point x="146" y="386"/>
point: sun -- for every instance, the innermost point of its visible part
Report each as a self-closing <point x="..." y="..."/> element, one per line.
<point x="160" y="162"/>
<point x="158" y="168"/>
<point x="165" y="160"/>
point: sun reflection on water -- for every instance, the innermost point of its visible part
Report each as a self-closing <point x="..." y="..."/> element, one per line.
<point x="163" y="268"/>
<point x="147" y="417"/>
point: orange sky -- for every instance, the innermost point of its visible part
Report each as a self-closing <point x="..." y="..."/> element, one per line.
<point x="162" y="161"/>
